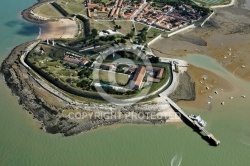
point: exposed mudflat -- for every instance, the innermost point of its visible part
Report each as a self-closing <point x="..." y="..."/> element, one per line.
<point x="225" y="37"/>
<point x="185" y="90"/>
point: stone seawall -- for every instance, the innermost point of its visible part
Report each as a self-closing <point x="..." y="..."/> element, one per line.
<point x="27" y="13"/>
<point x="52" y="118"/>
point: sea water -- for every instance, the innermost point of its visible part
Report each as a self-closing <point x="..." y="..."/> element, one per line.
<point x="22" y="143"/>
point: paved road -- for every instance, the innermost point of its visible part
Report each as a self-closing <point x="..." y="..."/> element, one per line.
<point x="26" y="51"/>
<point x="139" y="10"/>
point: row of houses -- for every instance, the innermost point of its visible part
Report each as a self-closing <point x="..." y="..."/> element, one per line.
<point x="165" y="17"/>
<point x="114" y="13"/>
<point x="94" y="6"/>
<point x="123" y="9"/>
<point x="168" y="17"/>
<point x="120" y="8"/>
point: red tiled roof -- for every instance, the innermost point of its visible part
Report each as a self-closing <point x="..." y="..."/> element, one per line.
<point x="133" y="12"/>
<point x="93" y="5"/>
<point x="160" y="73"/>
<point x="103" y="9"/>
<point x="120" y="3"/>
<point x="75" y="61"/>
<point x="72" y="60"/>
<point x="139" y="75"/>
<point x="89" y="14"/>
<point x="84" y="61"/>
<point x="116" y="12"/>
<point x="112" y="12"/>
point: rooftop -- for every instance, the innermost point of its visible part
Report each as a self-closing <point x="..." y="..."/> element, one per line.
<point x="139" y="75"/>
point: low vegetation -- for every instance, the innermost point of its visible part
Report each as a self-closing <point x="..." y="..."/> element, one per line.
<point x="78" y="80"/>
<point x="212" y="2"/>
<point x="112" y="77"/>
<point x="48" y="11"/>
<point x="152" y="33"/>
<point x="125" y="26"/>
<point x="73" y="6"/>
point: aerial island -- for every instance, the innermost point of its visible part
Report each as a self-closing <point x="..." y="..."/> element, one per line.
<point x="95" y="63"/>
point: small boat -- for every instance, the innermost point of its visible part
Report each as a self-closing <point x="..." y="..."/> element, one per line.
<point x="198" y="119"/>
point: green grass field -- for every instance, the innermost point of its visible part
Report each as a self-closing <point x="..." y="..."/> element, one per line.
<point x="47" y="10"/>
<point x="73" y="6"/>
<point x="101" y="26"/>
<point x="152" y="33"/>
<point x="212" y="2"/>
<point x="139" y="26"/>
<point x="110" y="77"/>
<point x="126" y="26"/>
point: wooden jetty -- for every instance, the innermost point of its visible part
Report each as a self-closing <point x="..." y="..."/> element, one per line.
<point x="195" y="123"/>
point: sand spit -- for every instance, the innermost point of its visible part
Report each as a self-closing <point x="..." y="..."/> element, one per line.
<point x="51" y="28"/>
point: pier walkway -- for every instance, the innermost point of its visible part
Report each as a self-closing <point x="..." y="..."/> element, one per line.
<point x="195" y="123"/>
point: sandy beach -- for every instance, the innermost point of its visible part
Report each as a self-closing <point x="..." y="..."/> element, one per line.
<point x="64" y="28"/>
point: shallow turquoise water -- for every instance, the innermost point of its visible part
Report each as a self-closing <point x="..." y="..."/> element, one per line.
<point x="13" y="29"/>
<point x="205" y="62"/>
<point x="22" y="143"/>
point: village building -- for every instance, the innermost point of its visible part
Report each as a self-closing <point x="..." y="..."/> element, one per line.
<point x="137" y="81"/>
<point x="155" y="72"/>
<point x="160" y="73"/>
<point x="165" y="16"/>
<point x="75" y="60"/>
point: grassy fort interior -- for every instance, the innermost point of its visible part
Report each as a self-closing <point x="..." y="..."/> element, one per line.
<point x="110" y="31"/>
<point x="73" y="71"/>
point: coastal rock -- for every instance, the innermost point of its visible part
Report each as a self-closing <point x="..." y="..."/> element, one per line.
<point x="185" y="90"/>
<point x="51" y="117"/>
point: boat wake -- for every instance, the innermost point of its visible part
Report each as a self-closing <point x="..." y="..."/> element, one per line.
<point x="245" y="143"/>
<point x="176" y="160"/>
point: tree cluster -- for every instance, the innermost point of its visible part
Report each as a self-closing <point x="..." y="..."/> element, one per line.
<point x="107" y="38"/>
<point x="154" y="59"/>
<point x="142" y="37"/>
<point x="125" y="54"/>
<point x="117" y="27"/>
<point x="94" y="32"/>
<point x="84" y="84"/>
<point x="86" y="72"/>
